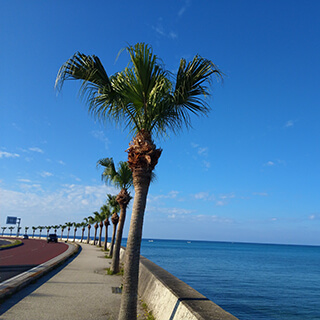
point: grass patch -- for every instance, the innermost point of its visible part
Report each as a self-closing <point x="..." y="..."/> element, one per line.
<point x="110" y="273"/>
<point x="12" y="244"/>
<point x="148" y="314"/>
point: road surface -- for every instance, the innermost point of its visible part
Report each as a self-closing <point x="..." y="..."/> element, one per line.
<point x="32" y="253"/>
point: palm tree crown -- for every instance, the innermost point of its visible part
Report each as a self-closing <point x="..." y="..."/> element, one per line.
<point x="120" y="177"/>
<point x="142" y="95"/>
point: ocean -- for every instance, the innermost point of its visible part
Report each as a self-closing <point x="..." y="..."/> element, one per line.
<point x="251" y="281"/>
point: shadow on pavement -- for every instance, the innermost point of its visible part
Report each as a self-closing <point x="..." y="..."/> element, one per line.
<point x="9" y="302"/>
<point x="7" y="272"/>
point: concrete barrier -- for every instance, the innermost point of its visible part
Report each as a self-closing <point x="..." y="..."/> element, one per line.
<point x="171" y="299"/>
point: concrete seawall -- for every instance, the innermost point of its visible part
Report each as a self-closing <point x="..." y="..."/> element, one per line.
<point x="171" y="299"/>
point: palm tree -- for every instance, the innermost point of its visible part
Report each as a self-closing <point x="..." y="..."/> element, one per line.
<point x="68" y="225"/>
<point x="33" y="231"/>
<point x="26" y="230"/>
<point x="99" y="218"/>
<point x="40" y="229"/>
<point x="48" y="229"/>
<point x="96" y="226"/>
<point x="107" y="213"/>
<point x="83" y="225"/>
<point x="62" y="229"/>
<point x="89" y="221"/>
<point x="11" y="228"/>
<point x="18" y="231"/>
<point x="55" y="228"/>
<point x="121" y="178"/>
<point x="113" y="203"/>
<point x="144" y="99"/>
<point x="76" y="226"/>
<point x="3" y="228"/>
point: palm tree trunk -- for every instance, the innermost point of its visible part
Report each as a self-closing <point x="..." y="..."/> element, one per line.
<point x="95" y="235"/>
<point x="112" y="240"/>
<point x="83" y="229"/>
<point x="88" y="240"/>
<point x="115" y="266"/>
<point x="128" y="308"/>
<point x="100" y="234"/>
<point x="106" y="224"/>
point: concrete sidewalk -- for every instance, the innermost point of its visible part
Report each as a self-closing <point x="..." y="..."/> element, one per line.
<point x="81" y="290"/>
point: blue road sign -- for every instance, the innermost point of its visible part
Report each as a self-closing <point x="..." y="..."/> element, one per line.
<point x="11" y="220"/>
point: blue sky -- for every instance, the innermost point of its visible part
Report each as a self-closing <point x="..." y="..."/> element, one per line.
<point x="248" y="172"/>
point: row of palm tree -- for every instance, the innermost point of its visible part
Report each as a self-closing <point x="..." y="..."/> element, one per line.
<point x="144" y="99"/>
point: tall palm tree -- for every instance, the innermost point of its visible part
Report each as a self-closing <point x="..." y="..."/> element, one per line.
<point x="99" y="218"/>
<point x="40" y="229"/>
<point x="107" y="213"/>
<point x="34" y="230"/>
<point x="11" y="228"/>
<point x="68" y="225"/>
<point x="146" y="99"/>
<point x="96" y="226"/>
<point x="89" y="221"/>
<point x="55" y="228"/>
<point x="83" y="226"/>
<point x="76" y="225"/>
<point x="62" y="229"/>
<point x="26" y="230"/>
<point x="121" y="178"/>
<point x="48" y="229"/>
<point x="3" y="228"/>
<point x="114" y="205"/>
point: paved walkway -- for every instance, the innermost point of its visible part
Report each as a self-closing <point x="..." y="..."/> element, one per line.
<point x="81" y="290"/>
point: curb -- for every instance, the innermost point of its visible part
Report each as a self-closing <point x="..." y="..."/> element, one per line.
<point x="20" y="281"/>
<point x="10" y="247"/>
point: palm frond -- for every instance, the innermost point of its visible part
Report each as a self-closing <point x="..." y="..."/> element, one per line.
<point x="142" y="96"/>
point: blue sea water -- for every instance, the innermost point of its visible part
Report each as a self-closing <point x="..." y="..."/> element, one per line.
<point x="251" y="281"/>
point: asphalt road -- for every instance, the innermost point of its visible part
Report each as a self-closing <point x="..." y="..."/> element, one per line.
<point x="32" y="253"/>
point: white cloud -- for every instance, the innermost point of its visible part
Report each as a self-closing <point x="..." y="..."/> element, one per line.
<point x="4" y="154"/>
<point x="24" y="180"/>
<point x="289" y="123"/>
<point x="206" y="164"/>
<point x="203" y="196"/>
<point x="160" y="30"/>
<point x="173" y="35"/>
<point x="202" y="153"/>
<point x="262" y="194"/>
<point x="183" y="9"/>
<point x="68" y="203"/>
<point x="46" y="174"/>
<point x="269" y="163"/>
<point x="101" y="136"/>
<point x="171" y="195"/>
<point x="36" y="149"/>
<point x="276" y="162"/>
